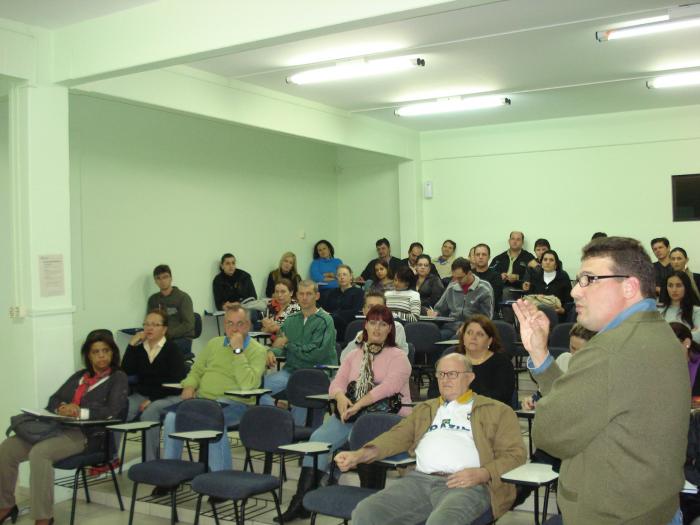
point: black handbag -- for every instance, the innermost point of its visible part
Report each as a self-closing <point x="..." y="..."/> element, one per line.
<point x="32" y="429"/>
<point x="389" y="405"/>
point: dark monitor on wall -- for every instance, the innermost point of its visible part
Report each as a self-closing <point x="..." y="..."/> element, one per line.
<point x="686" y="197"/>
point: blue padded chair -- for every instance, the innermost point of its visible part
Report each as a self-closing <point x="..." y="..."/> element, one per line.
<point x="339" y="501"/>
<point x="191" y="415"/>
<point x="559" y="336"/>
<point x="262" y="428"/>
<point x="306" y="382"/>
<point x="507" y="334"/>
<point x="551" y="315"/>
<point x="423" y="336"/>
<point x="79" y="462"/>
<point x="351" y="330"/>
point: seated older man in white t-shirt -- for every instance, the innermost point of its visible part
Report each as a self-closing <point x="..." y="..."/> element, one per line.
<point x="463" y="443"/>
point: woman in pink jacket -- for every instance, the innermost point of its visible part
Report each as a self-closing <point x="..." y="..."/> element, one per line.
<point x="372" y="378"/>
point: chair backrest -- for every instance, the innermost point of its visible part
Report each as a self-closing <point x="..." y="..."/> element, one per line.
<point x="351" y="330"/>
<point x="449" y="350"/>
<point x="559" y="335"/>
<point x="197" y="325"/>
<point x="423" y="335"/>
<point x="369" y="426"/>
<point x="306" y="382"/>
<point x="266" y="428"/>
<point x="551" y="314"/>
<point x="198" y="414"/>
<point x="506" y="332"/>
<point x="411" y="353"/>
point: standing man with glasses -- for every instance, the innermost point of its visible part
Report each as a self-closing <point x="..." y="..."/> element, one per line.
<point x="463" y="444"/>
<point x="618" y="418"/>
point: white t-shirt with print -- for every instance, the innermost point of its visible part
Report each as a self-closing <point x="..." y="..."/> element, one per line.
<point x="448" y="444"/>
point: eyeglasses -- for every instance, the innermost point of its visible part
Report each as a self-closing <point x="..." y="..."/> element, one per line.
<point x="377" y="324"/>
<point x="151" y="325"/>
<point x="238" y="324"/>
<point x="585" y="279"/>
<point x="450" y="374"/>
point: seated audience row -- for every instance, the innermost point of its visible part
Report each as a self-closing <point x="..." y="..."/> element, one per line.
<point x="372" y="378"/>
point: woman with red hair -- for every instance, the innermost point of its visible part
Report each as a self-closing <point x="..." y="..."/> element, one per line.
<point x="372" y="378"/>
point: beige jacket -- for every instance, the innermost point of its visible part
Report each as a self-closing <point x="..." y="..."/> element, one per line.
<point x="618" y="419"/>
<point x="496" y="435"/>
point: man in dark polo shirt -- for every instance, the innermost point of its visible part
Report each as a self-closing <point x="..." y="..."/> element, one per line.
<point x="512" y="264"/>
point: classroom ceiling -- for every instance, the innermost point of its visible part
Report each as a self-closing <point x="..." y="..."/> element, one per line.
<point x="542" y="54"/>
<point x="52" y="14"/>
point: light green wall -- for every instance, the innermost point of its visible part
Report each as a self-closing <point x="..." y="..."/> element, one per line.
<point x="152" y="187"/>
<point x="368" y="206"/>
<point x="8" y="328"/>
<point x="563" y="180"/>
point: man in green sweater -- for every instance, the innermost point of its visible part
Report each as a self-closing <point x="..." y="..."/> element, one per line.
<point x="618" y="418"/>
<point x="306" y="339"/>
<point x="178" y="307"/>
<point x="234" y="362"/>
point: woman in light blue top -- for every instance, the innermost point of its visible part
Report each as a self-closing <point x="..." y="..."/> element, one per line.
<point x="324" y="266"/>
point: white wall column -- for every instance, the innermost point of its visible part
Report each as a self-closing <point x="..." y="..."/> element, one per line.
<point x="410" y="205"/>
<point x="39" y="353"/>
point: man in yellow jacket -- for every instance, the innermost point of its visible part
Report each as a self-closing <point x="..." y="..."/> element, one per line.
<point x="462" y="442"/>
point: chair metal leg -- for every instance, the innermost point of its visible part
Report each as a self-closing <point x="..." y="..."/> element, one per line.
<point x="133" y="503"/>
<point x="198" y="509"/>
<point x="216" y="516"/>
<point x="189" y="450"/>
<point x="267" y="465"/>
<point x="75" y="496"/>
<point x="279" y="510"/>
<point x="235" y="511"/>
<point x="116" y="487"/>
<point x="243" y="511"/>
<point x="173" y="506"/>
<point x="281" y="472"/>
<point x="248" y="462"/>
<point x="121" y="462"/>
<point x="313" y="518"/>
<point x="85" y="485"/>
<point x="537" y="506"/>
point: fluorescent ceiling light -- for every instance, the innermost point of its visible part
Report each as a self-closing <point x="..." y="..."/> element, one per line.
<point x="678" y="18"/>
<point x="691" y="78"/>
<point x="356" y="68"/>
<point x="452" y="105"/>
<point x="333" y="54"/>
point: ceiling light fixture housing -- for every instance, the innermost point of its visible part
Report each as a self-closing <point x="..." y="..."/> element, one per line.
<point x="350" y="69"/>
<point x="690" y="78"/>
<point x="452" y="105"/>
<point x="682" y="17"/>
